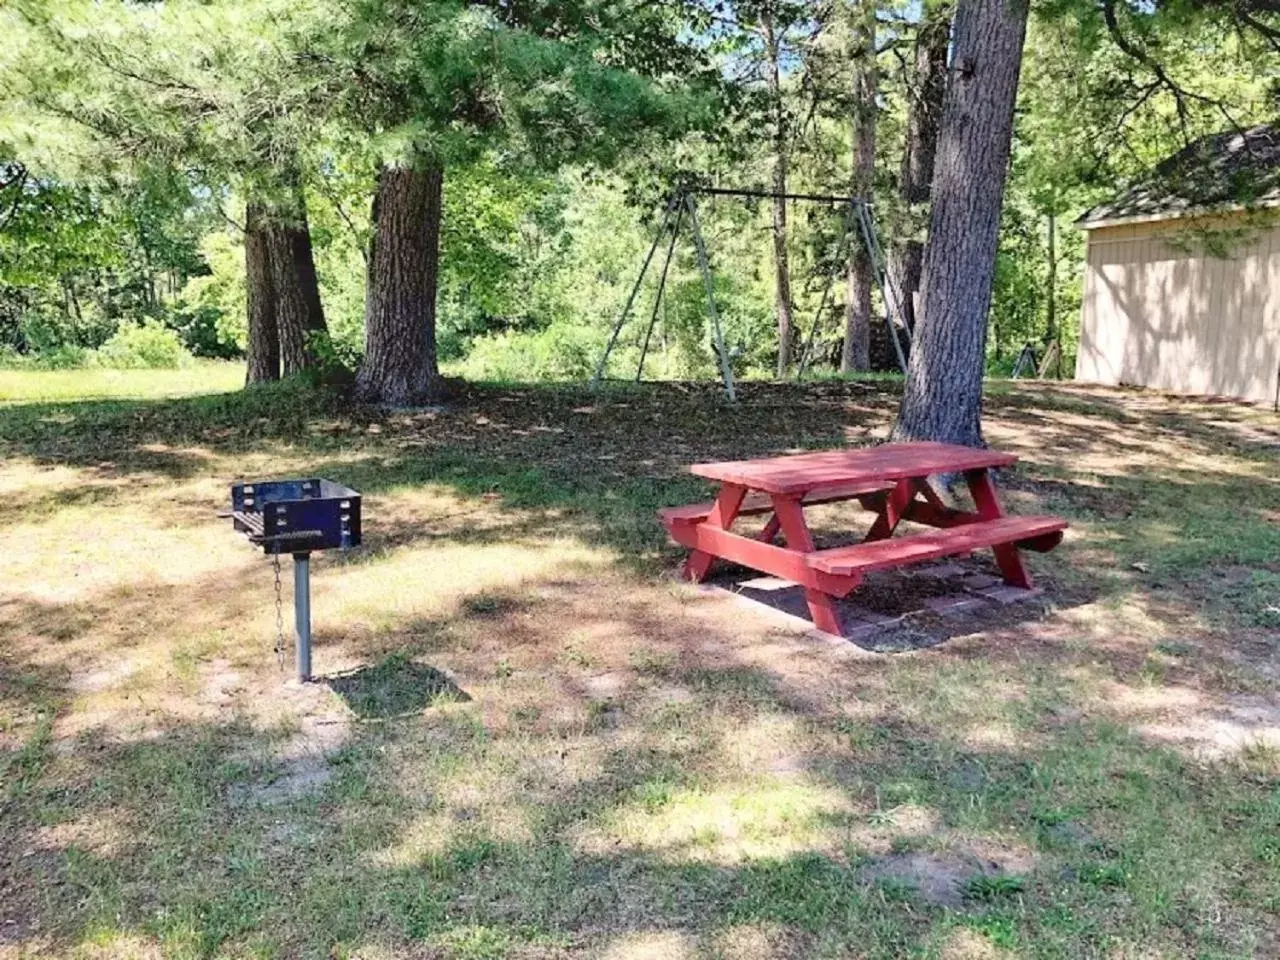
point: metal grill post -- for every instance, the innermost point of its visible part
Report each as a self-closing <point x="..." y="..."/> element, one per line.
<point x="302" y="612"/>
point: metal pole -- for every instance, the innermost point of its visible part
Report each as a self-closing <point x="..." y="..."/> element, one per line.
<point x="622" y="317"/>
<point x="873" y="249"/>
<point x="725" y="370"/>
<point x="769" y="194"/>
<point x="662" y="286"/>
<point x="302" y="612"/>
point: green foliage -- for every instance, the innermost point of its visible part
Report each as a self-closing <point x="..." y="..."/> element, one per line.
<point x="560" y="352"/>
<point x="147" y="345"/>
<point x="131" y="134"/>
<point x="215" y="299"/>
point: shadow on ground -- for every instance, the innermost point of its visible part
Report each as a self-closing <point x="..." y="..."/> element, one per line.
<point x="397" y="687"/>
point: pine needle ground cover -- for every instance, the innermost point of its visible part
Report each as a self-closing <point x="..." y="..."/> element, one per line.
<point x="529" y="740"/>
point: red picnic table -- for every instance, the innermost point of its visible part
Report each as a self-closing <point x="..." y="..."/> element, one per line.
<point x="891" y="480"/>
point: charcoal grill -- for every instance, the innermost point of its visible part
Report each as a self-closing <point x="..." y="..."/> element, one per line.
<point x="296" y="517"/>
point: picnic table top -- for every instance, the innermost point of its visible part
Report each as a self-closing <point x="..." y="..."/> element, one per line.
<point x="802" y="472"/>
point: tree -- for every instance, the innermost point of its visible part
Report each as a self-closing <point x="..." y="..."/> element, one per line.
<point x="771" y="31"/>
<point x="171" y="87"/>
<point x="400" y="365"/>
<point x="925" y="88"/>
<point x="447" y="83"/>
<point x="855" y="354"/>
<point x="942" y="399"/>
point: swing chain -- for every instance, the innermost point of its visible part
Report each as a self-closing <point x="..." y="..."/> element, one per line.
<point x="279" y="647"/>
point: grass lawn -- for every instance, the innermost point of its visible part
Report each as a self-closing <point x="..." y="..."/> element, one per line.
<point x="94" y="383"/>
<point x="530" y="741"/>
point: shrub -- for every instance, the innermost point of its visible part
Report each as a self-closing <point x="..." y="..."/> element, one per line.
<point x="146" y="345"/>
<point x="560" y="352"/>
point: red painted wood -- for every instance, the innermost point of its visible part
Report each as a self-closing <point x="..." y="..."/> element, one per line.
<point x="891" y="510"/>
<point x="770" y="529"/>
<point x="766" y="557"/>
<point x="791" y="518"/>
<point x="938" y="516"/>
<point x="758" y="503"/>
<point x="723" y="512"/>
<point x="931" y="545"/>
<point x="813" y="471"/>
<point x="983" y="491"/>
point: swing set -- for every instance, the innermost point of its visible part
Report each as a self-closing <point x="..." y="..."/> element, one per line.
<point x="682" y="203"/>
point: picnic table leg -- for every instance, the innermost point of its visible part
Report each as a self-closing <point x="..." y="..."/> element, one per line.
<point x="723" y="512"/>
<point x="771" y="529"/>
<point x="988" y="506"/>
<point x="892" y="508"/>
<point x="790" y="517"/>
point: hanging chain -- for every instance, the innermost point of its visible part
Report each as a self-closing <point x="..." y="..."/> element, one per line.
<point x="279" y="647"/>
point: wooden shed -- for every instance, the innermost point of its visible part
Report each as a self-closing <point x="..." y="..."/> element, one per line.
<point x="1182" y="281"/>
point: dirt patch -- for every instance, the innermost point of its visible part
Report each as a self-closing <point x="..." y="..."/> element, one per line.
<point x="1224" y="728"/>
<point x="945" y="879"/>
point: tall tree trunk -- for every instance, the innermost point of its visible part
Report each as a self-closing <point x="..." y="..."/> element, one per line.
<point x="856" y="353"/>
<point x="943" y="395"/>
<point x="263" y="337"/>
<point x="781" y="264"/>
<point x="924" y="112"/>
<point x="299" y="313"/>
<point x="400" y="306"/>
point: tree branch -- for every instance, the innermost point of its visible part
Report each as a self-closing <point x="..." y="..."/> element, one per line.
<point x="1180" y="93"/>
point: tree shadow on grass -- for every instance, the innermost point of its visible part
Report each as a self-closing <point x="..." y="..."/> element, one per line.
<point x="395" y="688"/>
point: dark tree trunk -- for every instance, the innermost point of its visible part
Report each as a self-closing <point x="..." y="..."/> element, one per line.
<point x="400" y="306"/>
<point x="263" y="339"/>
<point x="943" y="395"/>
<point x="781" y="264"/>
<point x="924" y="112"/>
<point x="285" y="314"/>
<point x="856" y="353"/>
<point x="299" y="313"/>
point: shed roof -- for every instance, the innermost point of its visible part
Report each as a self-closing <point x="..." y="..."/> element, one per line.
<point x="1237" y="168"/>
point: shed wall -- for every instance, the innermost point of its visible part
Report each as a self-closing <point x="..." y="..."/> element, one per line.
<point x="1173" y="316"/>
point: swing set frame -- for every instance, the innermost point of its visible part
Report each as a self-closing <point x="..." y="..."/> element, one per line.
<point x="682" y="203"/>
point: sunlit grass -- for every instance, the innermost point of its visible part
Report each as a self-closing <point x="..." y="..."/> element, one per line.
<point x="96" y="383"/>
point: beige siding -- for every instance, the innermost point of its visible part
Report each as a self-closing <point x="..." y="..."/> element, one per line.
<point x="1158" y="315"/>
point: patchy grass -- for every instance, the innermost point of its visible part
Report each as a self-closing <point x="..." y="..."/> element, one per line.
<point x="530" y="742"/>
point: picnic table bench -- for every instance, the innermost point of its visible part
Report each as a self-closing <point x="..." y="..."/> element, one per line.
<point x="891" y="480"/>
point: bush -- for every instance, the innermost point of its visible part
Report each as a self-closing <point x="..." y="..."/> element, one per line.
<point x="560" y="352"/>
<point x="148" y="345"/>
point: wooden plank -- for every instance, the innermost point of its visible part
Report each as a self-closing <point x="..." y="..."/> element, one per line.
<point x="983" y="491"/>
<point x="790" y="517"/>
<point x="886" y="463"/>
<point x="765" y="557"/>
<point x="919" y="548"/>
<point x="758" y="503"/>
<point x="723" y="512"/>
<point x="892" y="510"/>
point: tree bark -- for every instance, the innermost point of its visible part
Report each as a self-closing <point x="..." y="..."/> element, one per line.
<point x="285" y="313"/>
<point x="943" y="395"/>
<point x="855" y="356"/>
<point x="781" y="262"/>
<point x="400" y="366"/>
<point x="924" y="112"/>
<point x="263" y="346"/>
<point x="299" y="314"/>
